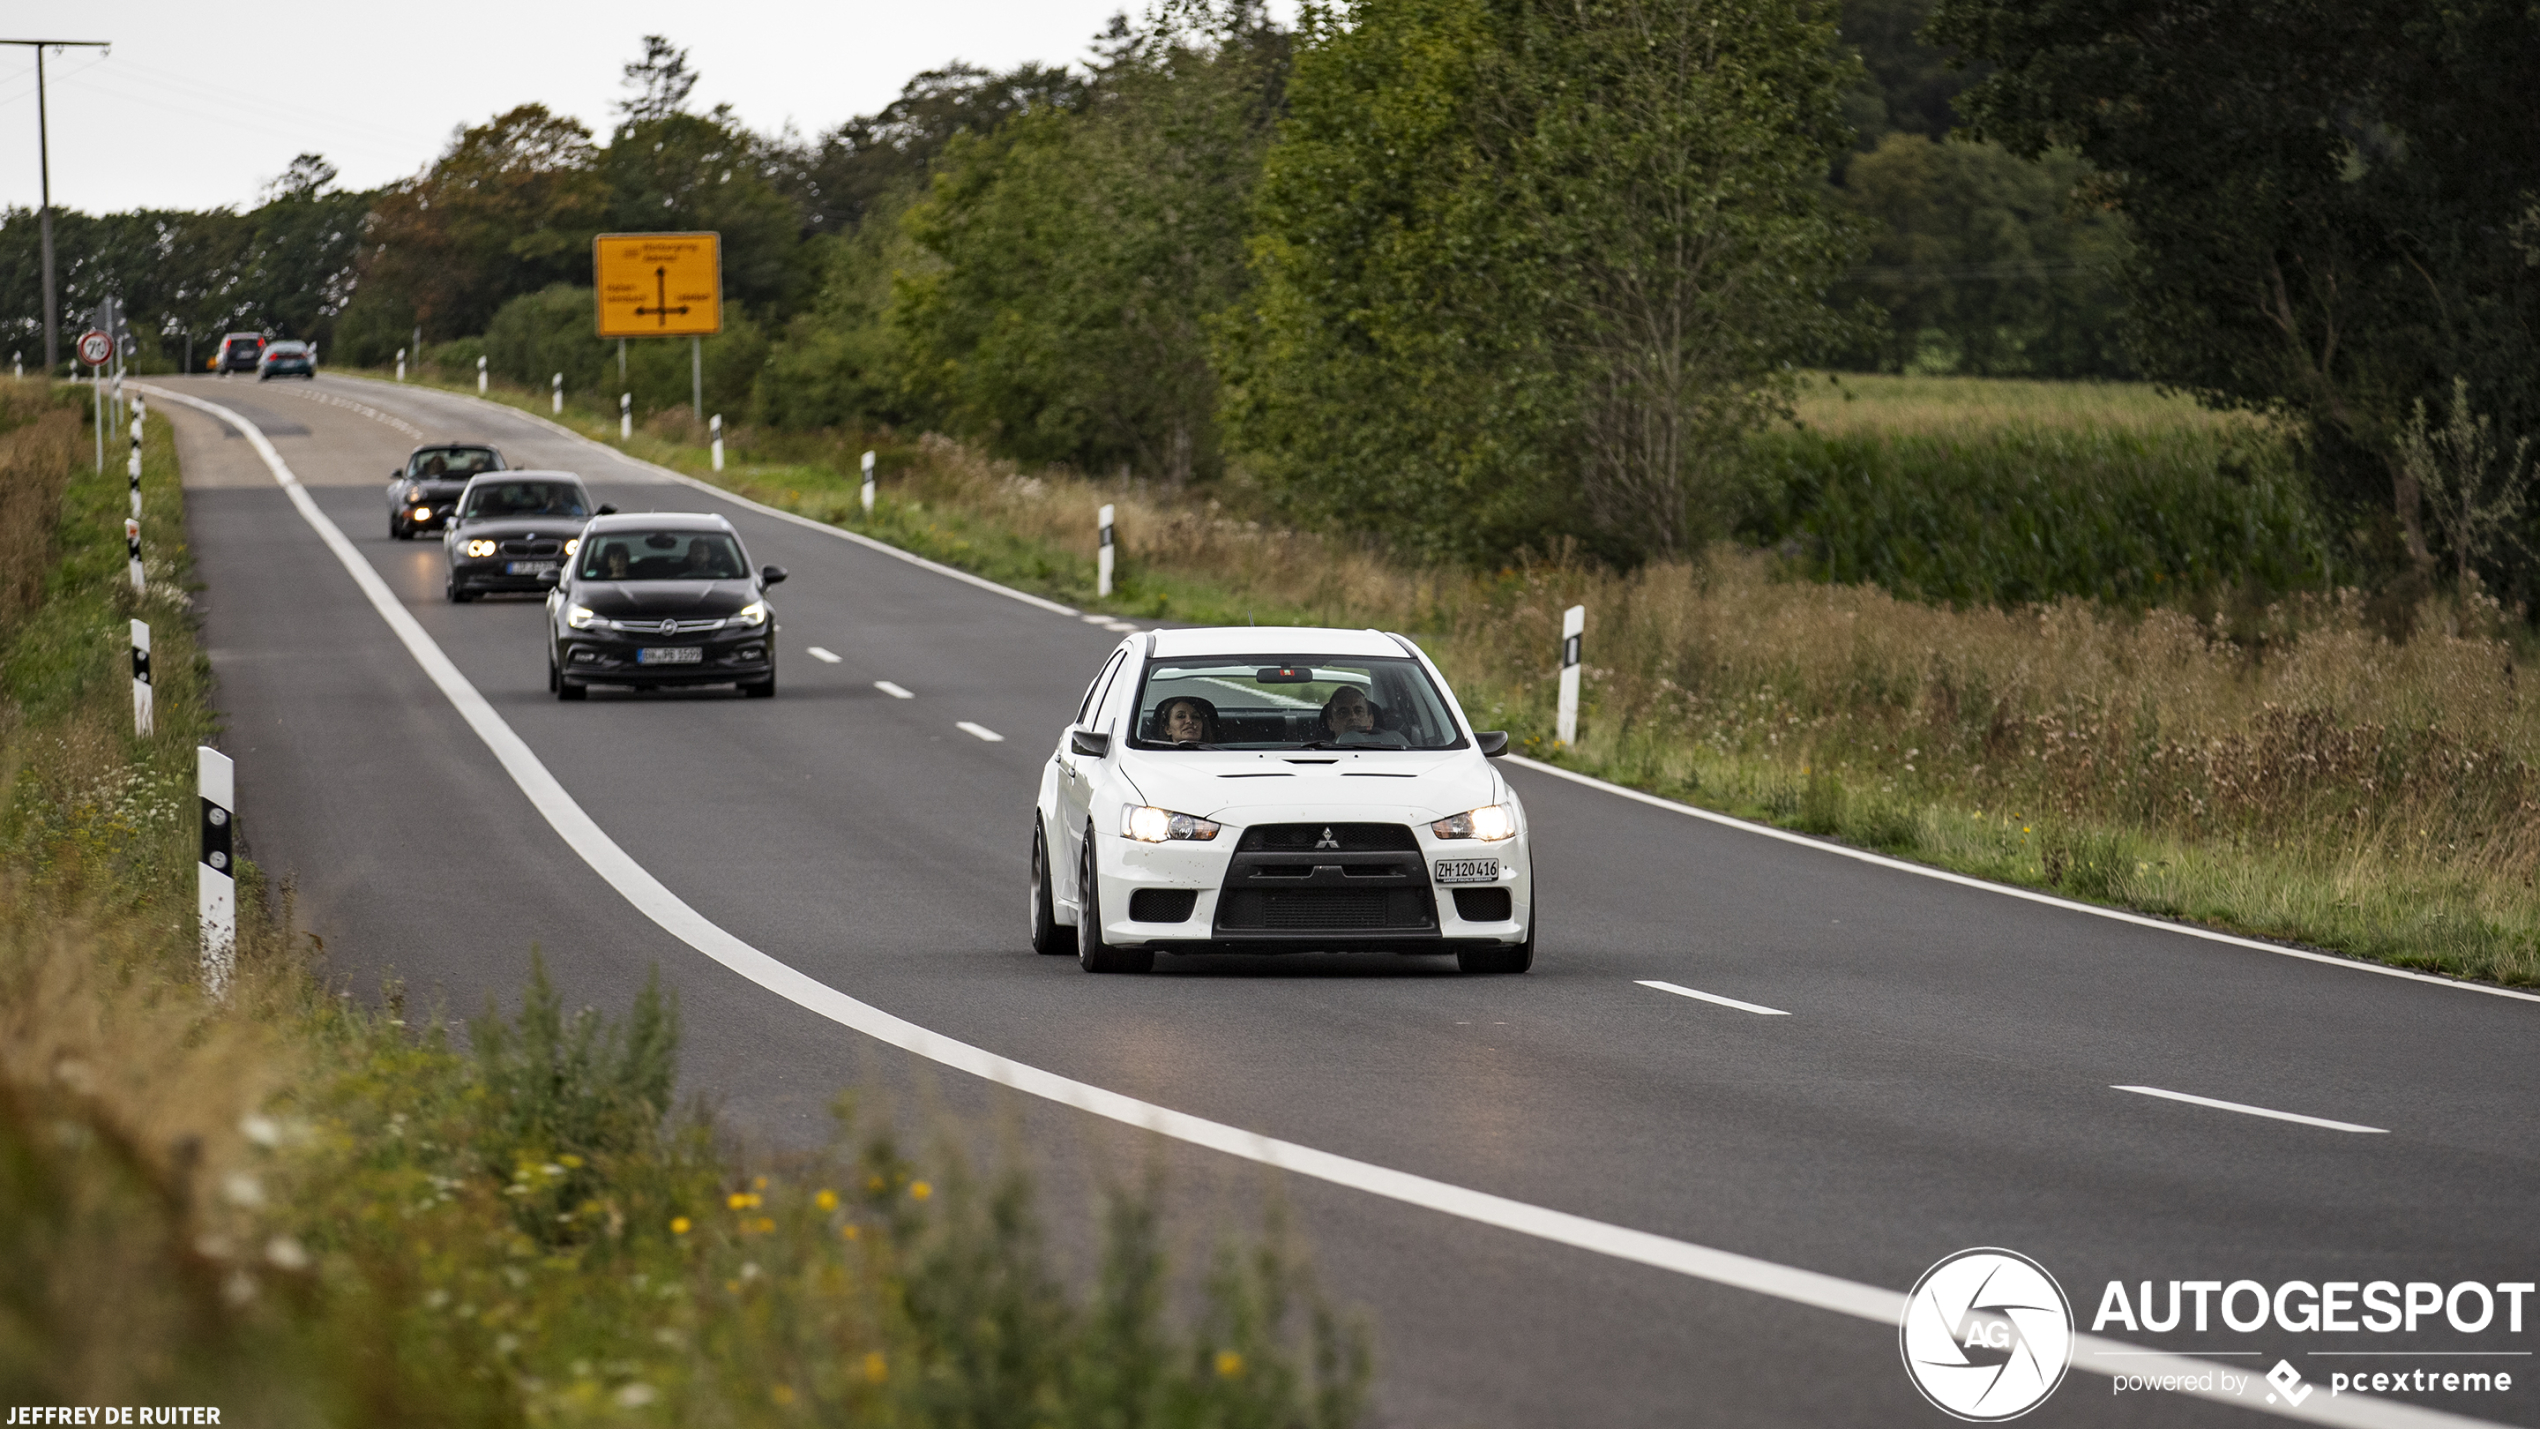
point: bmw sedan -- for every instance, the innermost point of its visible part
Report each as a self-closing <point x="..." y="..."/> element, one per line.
<point x="513" y="530"/>
<point x="421" y="493"/>
<point x="661" y="599"/>
<point x="1245" y="790"/>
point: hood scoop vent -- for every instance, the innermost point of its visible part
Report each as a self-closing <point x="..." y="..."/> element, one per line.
<point x="1264" y="774"/>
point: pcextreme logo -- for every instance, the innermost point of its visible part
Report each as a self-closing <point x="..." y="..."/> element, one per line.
<point x="1987" y="1335"/>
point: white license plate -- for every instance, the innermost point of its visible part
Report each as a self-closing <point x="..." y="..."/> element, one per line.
<point x="1467" y="870"/>
<point x="528" y="568"/>
<point x="670" y="655"/>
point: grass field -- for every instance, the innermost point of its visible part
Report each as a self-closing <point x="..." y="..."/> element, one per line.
<point x="308" y="1210"/>
<point x="2217" y="749"/>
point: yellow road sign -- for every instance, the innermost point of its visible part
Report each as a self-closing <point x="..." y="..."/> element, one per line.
<point x="659" y="284"/>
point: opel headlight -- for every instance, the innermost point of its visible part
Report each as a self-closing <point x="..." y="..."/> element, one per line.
<point x="754" y="613"/>
<point x="1491" y="822"/>
<point x="581" y="617"/>
<point x="480" y="548"/>
<point x="423" y="513"/>
<point x="1155" y="826"/>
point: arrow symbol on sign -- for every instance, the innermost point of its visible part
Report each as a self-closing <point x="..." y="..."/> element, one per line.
<point x="661" y="295"/>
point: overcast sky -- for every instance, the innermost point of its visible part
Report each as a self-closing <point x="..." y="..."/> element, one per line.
<point x="200" y="104"/>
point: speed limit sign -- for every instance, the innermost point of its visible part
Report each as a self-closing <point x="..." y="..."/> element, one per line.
<point x="95" y="347"/>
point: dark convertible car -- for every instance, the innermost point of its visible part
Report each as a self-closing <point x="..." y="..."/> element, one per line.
<point x="512" y="530"/>
<point x="421" y="491"/>
<point x="661" y="598"/>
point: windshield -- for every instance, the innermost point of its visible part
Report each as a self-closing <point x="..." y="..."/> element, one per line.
<point x="1291" y="702"/>
<point x="453" y="461"/>
<point x="497" y="499"/>
<point x="662" y="556"/>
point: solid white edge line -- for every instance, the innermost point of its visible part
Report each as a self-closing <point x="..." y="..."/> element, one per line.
<point x="652" y="898"/>
<point x="2247" y="1110"/>
<point x="980" y="731"/>
<point x="1943" y="875"/>
<point x="823" y="656"/>
<point x="894" y="691"/>
<point x="1756" y="1008"/>
<point x="885" y="547"/>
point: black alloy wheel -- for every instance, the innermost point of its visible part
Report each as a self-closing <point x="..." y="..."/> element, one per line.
<point x="1048" y="939"/>
<point x="1092" y="953"/>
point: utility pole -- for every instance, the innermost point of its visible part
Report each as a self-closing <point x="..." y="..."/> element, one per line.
<point x="44" y="167"/>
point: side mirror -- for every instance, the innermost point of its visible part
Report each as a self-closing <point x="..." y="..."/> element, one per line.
<point x="1493" y="742"/>
<point x="607" y="510"/>
<point x="396" y="473"/>
<point x="555" y="576"/>
<point x="771" y="575"/>
<point x="1088" y="743"/>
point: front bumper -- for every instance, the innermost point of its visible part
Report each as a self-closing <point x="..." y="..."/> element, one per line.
<point x="495" y="573"/>
<point x="742" y="657"/>
<point x="1225" y="903"/>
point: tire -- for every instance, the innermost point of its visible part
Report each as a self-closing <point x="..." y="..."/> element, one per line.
<point x="1092" y="953"/>
<point x="1048" y="939"/>
<point x="763" y="690"/>
<point x="458" y="596"/>
<point x="565" y="691"/>
<point x="397" y="530"/>
<point x="1504" y="960"/>
<point x="555" y="682"/>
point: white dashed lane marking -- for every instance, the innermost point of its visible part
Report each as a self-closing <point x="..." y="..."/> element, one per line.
<point x="894" y="691"/>
<point x="823" y="656"/>
<point x="979" y="731"/>
<point x="2247" y="1110"/>
<point x="1760" y="1011"/>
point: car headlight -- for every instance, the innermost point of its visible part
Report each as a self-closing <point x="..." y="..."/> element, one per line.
<point x="480" y="548"/>
<point x="423" y="513"/>
<point x="754" y="613"/>
<point x="581" y="617"/>
<point x="1155" y="826"/>
<point x="572" y="544"/>
<point x="1490" y="822"/>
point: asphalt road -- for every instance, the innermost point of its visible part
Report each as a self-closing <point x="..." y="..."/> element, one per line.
<point x="1945" y="1077"/>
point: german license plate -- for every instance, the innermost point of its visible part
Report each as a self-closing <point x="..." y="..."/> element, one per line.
<point x="1467" y="870"/>
<point x="670" y="655"/>
<point x="528" y="568"/>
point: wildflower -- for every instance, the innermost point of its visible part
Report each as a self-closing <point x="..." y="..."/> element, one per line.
<point x="571" y="1161"/>
<point x="826" y="1200"/>
<point x="920" y="1190"/>
<point x="1229" y="1364"/>
<point x="766" y="1224"/>
<point x="759" y="1185"/>
<point x="876" y="1369"/>
<point x="678" y="1225"/>
<point x="848" y="1231"/>
<point x="636" y="1396"/>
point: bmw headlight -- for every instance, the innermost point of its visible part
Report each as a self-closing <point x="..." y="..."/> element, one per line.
<point x="1155" y="826"/>
<point x="754" y="613"/>
<point x="423" y="513"/>
<point x="581" y="617"/>
<point x="1491" y="822"/>
<point x="571" y="545"/>
<point x="480" y="548"/>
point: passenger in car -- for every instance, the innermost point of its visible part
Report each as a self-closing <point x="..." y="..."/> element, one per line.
<point x="1187" y="719"/>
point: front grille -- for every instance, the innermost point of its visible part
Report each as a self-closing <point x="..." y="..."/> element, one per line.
<point x="665" y="627"/>
<point x="1162" y="905"/>
<point x="1323" y="910"/>
<point x="1482" y="905"/>
<point x="533" y="548"/>
<point x="1328" y="838"/>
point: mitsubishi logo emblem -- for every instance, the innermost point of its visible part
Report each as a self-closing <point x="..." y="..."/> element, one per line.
<point x="1327" y="841"/>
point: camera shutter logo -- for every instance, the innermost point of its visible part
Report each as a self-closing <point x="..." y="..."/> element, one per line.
<point x="1987" y="1335"/>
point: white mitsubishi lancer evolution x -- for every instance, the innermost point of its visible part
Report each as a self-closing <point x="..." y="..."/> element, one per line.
<point x="1278" y="790"/>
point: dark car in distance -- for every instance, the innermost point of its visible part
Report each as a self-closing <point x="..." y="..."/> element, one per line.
<point x="511" y="528"/>
<point x="287" y="359"/>
<point x="239" y="352"/>
<point x="421" y="492"/>
<point x="657" y="599"/>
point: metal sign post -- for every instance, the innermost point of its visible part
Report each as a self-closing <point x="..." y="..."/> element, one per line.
<point x="94" y="348"/>
<point x="141" y="702"/>
<point x="1573" y="627"/>
<point x="868" y="483"/>
<point x="215" y="875"/>
<point x="1102" y="555"/>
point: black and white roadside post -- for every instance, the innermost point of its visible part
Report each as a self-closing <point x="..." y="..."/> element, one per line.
<point x="401" y="364"/>
<point x="1102" y="555"/>
<point x="714" y="429"/>
<point x="868" y="483"/>
<point x="555" y="394"/>
<point x="141" y="702"/>
<point x="132" y="464"/>
<point x="625" y="415"/>
<point x="480" y="377"/>
<point x="216" y="877"/>
<point x="132" y="550"/>
<point x="1573" y="627"/>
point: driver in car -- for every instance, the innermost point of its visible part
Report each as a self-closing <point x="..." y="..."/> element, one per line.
<point x="1348" y="712"/>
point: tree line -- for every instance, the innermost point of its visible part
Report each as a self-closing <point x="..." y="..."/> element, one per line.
<point x="1471" y="275"/>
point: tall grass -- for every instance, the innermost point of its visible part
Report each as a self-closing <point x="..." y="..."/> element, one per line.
<point x="305" y="1210"/>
